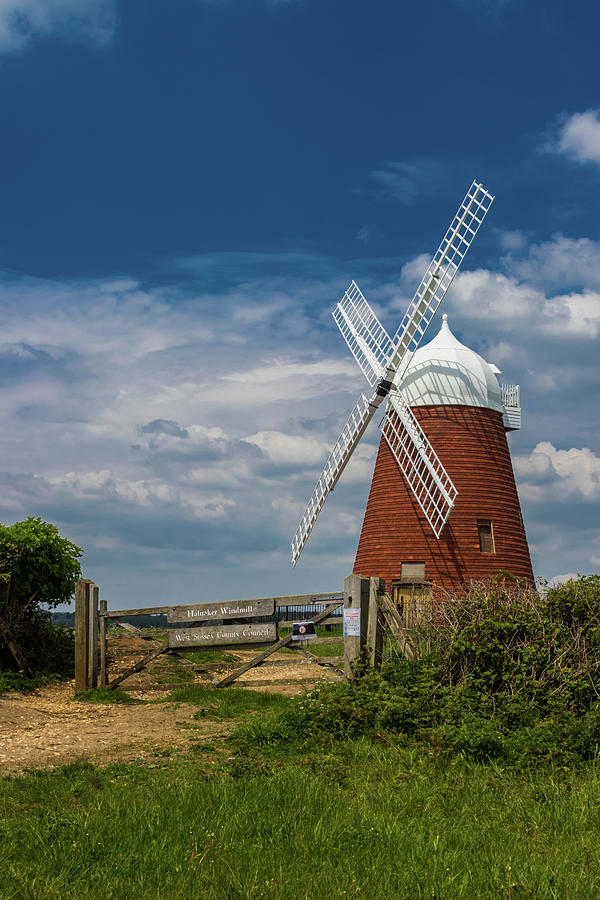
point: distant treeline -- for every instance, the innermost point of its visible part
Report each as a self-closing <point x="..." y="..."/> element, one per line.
<point x="67" y="619"/>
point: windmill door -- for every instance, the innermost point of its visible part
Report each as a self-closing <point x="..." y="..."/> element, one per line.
<point x="412" y="599"/>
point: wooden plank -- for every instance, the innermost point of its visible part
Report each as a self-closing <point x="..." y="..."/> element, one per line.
<point x="396" y="626"/>
<point x="81" y="634"/>
<point x="298" y="600"/>
<point x="212" y="636"/>
<point x="138" y="666"/>
<point x="356" y="598"/>
<point x="231" y="609"/>
<point x="141" y="611"/>
<point x="308" y="599"/>
<point x="332" y="620"/>
<point x="374" y="632"/>
<point x="336" y="639"/>
<point x="93" y="654"/>
<point x="281" y="643"/>
<point x="102" y="639"/>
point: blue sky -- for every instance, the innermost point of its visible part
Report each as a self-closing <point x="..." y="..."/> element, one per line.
<point x="188" y="189"/>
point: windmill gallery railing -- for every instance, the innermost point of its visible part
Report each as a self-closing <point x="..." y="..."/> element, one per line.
<point x="511" y="395"/>
<point x="365" y="611"/>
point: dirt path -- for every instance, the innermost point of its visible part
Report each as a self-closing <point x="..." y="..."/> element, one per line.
<point x="50" y="728"/>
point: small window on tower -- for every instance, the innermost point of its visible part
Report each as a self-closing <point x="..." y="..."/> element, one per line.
<point x="413" y="570"/>
<point x="486" y="536"/>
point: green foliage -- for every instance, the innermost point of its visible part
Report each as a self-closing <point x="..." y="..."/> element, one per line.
<point x="511" y="675"/>
<point x="37" y="567"/>
<point x="12" y="680"/>
<point x="37" y="564"/>
<point x="364" y="821"/>
<point x="227" y="703"/>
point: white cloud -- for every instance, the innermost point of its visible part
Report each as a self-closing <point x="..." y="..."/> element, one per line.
<point x="510" y="303"/>
<point x="566" y="472"/>
<point x="22" y="20"/>
<point x="511" y="241"/>
<point x="574" y="314"/>
<point x="557" y="580"/>
<point x="561" y="263"/>
<point x="579" y="137"/>
<point x="142" y="492"/>
<point x="167" y="416"/>
<point x="493" y="297"/>
<point x="289" y="450"/>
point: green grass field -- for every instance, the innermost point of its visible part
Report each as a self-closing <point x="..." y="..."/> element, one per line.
<point x="360" y="819"/>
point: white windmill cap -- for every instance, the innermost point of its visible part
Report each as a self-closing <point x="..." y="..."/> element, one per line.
<point x="445" y="372"/>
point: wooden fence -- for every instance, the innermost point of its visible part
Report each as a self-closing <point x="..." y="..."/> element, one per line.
<point x="367" y="613"/>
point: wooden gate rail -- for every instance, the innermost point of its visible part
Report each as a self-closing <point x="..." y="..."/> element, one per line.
<point x="298" y="600"/>
<point x="92" y="618"/>
<point x="368" y="611"/>
<point x="396" y="626"/>
<point x="277" y="646"/>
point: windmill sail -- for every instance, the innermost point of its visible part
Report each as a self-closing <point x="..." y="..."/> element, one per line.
<point x="439" y="276"/>
<point x="369" y="342"/>
<point x="384" y="362"/>
<point x="351" y="434"/>
<point x="419" y="463"/>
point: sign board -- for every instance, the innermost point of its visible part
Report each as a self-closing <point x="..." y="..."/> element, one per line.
<point x="352" y="622"/>
<point x="212" y="635"/>
<point x="303" y="631"/>
<point x="231" y="609"/>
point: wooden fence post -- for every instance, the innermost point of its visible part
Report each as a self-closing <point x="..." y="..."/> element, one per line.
<point x="356" y="614"/>
<point x="102" y="640"/>
<point x="82" y="614"/>
<point x="93" y="635"/>
<point x="374" y="630"/>
<point x="86" y="634"/>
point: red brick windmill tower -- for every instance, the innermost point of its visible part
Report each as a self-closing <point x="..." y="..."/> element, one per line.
<point x="448" y="514"/>
<point x="455" y="396"/>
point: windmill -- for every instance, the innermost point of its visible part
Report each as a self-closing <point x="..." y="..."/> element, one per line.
<point x="425" y="491"/>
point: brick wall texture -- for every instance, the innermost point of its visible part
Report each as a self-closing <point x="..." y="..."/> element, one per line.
<point x="472" y="445"/>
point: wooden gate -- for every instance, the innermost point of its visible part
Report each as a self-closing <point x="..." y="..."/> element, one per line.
<point x="371" y="617"/>
<point x="262" y="622"/>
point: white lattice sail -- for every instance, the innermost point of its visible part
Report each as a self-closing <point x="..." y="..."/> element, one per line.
<point x="384" y="361"/>
<point x="369" y="342"/>
<point x="351" y="434"/>
<point x="419" y="463"/>
<point x="439" y="276"/>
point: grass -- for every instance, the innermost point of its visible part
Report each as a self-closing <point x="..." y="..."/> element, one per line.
<point x="362" y="821"/>
<point x="326" y="649"/>
<point x="231" y="703"/>
<point x="209" y="655"/>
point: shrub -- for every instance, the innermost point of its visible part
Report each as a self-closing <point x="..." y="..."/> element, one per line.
<point x="511" y="675"/>
<point x="37" y="568"/>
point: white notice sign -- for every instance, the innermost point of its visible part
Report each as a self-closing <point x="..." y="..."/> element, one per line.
<point x="352" y="623"/>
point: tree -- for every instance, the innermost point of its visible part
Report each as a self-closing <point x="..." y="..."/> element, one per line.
<point x="37" y="566"/>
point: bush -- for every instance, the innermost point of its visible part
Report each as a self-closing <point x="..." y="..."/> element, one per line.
<point x="511" y="675"/>
<point x="37" y="568"/>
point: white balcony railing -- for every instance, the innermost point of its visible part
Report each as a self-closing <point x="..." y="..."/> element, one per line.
<point x="511" y="395"/>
